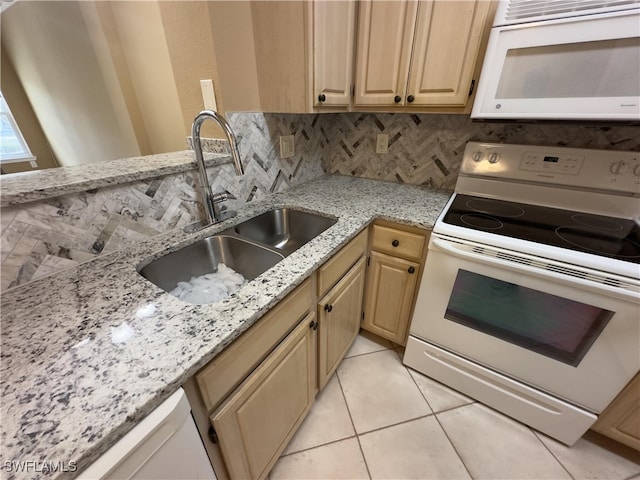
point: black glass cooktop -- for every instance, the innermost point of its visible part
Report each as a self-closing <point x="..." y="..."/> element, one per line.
<point x="596" y="234"/>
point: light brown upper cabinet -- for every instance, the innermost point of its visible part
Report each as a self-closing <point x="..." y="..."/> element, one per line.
<point x="346" y="55"/>
<point x="333" y="26"/>
<point x="261" y="53"/>
<point x="418" y="53"/>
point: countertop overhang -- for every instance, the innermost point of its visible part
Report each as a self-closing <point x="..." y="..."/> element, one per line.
<point x="69" y="392"/>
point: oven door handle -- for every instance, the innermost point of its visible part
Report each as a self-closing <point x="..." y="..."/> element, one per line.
<point x="627" y="292"/>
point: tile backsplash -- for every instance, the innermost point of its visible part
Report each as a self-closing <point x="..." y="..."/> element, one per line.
<point x="39" y="238"/>
<point x="427" y="149"/>
<point x="42" y="237"/>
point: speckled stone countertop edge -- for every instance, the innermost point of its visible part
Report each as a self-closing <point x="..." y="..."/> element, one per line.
<point x="170" y="346"/>
<point x="37" y="185"/>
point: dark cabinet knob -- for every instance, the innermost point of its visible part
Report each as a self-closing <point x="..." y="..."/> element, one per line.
<point x="395" y="243"/>
<point x="321" y="97"/>
<point x="411" y="270"/>
<point x="410" y="98"/>
<point x="213" y="436"/>
<point x="397" y="98"/>
<point x="313" y="325"/>
<point x="328" y="308"/>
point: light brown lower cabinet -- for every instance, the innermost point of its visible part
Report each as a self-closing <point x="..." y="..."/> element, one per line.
<point x="397" y="253"/>
<point x="339" y="315"/>
<point x="257" y="421"/>
<point x="621" y="420"/>
<point x="391" y="287"/>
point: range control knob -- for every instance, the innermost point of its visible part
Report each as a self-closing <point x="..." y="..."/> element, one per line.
<point x="617" y="167"/>
<point x="493" y="158"/>
<point x="636" y="171"/>
<point x="477" y="156"/>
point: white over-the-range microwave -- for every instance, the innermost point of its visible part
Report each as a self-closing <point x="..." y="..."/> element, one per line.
<point x="562" y="60"/>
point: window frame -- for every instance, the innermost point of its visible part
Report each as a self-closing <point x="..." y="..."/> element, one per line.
<point x="25" y="155"/>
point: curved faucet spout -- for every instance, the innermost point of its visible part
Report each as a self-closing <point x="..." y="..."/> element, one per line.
<point x="209" y="198"/>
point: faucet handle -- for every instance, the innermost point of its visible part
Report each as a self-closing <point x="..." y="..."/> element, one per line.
<point x="221" y="197"/>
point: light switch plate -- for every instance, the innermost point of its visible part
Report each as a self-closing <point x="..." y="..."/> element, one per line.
<point x="208" y="95"/>
<point x="287" y="146"/>
<point x="382" y="143"/>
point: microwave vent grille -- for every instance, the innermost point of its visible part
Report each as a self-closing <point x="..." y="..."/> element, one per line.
<point x="520" y="11"/>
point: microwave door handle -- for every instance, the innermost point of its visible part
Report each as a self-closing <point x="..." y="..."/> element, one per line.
<point x="591" y="286"/>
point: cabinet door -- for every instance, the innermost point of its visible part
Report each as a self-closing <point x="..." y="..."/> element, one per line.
<point x="255" y="424"/>
<point x="339" y="315"/>
<point x="383" y="53"/>
<point x="445" y="51"/>
<point x="621" y="419"/>
<point x="333" y="38"/>
<point x="391" y="286"/>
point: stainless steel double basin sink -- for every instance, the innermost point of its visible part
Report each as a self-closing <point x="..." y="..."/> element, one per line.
<point x="250" y="248"/>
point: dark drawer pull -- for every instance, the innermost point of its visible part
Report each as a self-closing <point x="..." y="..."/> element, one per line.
<point x="411" y="270"/>
<point x="328" y="308"/>
<point x="395" y="243"/>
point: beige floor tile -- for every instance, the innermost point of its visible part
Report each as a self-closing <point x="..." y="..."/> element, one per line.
<point x="439" y="396"/>
<point x="417" y="449"/>
<point x="494" y="446"/>
<point x="338" y="460"/>
<point x="327" y="421"/>
<point x="380" y="391"/>
<point x="367" y="342"/>
<point x="586" y="459"/>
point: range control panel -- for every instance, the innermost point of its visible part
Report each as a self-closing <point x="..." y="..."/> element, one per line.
<point x="560" y="164"/>
<point x="577" y="167"/>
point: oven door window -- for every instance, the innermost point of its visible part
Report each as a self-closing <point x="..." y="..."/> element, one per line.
<point x="544" y="323"/>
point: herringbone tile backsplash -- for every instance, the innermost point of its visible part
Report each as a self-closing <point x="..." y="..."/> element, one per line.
<point x="427" y="149"/>
<point x="39" y="238"/>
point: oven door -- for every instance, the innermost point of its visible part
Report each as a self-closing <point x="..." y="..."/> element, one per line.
<point x="553" y="327"/>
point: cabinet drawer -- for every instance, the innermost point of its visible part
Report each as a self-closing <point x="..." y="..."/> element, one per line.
<point x="397" y="242"/>
<point x="341" y="262"/>
<point x="231" y="367"/>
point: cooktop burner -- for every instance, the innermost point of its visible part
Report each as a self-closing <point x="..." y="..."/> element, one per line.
<point x="617" y="238"/>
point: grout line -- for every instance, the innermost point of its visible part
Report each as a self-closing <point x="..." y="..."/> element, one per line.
<point x="367" y="353"/>
<point x="416" y="384"/>
<point x="395" y="424"/>
<point x="454" y="447"/>
<point x="440" y="424"/>
<point x="353" y="425"/>
<point x="364" y="459"/>
<point x="318" y="445"/>
<point x="537" y="435"/>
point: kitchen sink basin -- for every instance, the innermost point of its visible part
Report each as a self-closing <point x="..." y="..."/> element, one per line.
<point x="284" y="228"/>
<point x="250" y="248"/>
<point x="203" y="257"/>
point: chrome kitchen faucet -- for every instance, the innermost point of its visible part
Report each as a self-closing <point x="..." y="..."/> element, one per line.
<point x="210" y="199"/>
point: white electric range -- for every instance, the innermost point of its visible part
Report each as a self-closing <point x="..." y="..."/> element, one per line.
<point x="530" y="298"/>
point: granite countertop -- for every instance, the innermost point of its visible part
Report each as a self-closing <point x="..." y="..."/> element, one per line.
<point x="52" y="182"/>
<point x="69" y="392"/>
